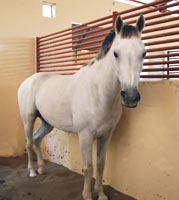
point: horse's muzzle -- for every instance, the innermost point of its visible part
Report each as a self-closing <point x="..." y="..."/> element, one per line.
<point x="130" y="97"/>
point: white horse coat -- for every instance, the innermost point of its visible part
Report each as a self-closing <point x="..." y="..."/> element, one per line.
<point x="88" y="102"/>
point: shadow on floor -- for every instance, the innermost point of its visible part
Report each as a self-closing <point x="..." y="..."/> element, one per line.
<point x="58" y="184"/>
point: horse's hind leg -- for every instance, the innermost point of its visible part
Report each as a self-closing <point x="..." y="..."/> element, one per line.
<point x="44" y="129"/>
<point x="28" y="126"/>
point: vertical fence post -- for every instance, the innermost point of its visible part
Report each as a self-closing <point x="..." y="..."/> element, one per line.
<point x="115" y="13"/>
<point x="37" y="55"/>
<point x="168" y="65"/>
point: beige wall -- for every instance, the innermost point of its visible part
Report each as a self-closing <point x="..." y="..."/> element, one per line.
<point x="142" y="158"/>
<point x="21" y="21"/>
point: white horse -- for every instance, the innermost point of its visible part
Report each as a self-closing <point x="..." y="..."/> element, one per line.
<point x="88" y="102"/>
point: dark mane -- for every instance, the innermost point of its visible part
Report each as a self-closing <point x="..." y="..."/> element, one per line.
<point x="91" y="62"/>
<point x="129" y="31"/>
<point x="106" y="45"/>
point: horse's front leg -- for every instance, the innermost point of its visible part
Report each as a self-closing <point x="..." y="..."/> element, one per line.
<point x="86" y="140"/>
<point x="102" y="144"/>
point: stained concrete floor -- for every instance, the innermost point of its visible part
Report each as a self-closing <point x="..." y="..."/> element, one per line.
<point x="59" y="183"/>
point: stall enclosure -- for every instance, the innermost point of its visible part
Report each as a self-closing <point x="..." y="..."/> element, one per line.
<point x="143" y="155"/>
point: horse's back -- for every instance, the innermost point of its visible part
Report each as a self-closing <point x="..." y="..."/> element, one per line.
<point x="35" y="82"/>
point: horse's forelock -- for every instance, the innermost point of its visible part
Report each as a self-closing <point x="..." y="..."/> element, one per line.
<point x="129" y="31"/>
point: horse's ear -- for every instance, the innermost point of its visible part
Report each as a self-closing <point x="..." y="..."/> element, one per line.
<point x="140" y="23"/>
<point x="118" y="24"/>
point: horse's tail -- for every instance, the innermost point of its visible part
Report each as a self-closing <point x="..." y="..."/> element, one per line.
<point x="28" y="112"/>
<point x="26" y="99"/>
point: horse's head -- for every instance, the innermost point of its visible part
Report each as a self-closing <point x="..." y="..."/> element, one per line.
<point x="128" y="53"/>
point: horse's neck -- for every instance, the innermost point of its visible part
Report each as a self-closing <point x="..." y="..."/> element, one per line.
<point x="106" y="79"/>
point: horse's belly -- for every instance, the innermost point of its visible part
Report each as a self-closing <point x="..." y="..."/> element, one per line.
<point x="54" y="104"/>
<point x="58" y="118"/>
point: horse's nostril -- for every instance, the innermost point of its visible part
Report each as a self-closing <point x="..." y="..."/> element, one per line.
<point x="138" y="97"/>
<point x="130" y="95"/>
<point x="123" y="94"/>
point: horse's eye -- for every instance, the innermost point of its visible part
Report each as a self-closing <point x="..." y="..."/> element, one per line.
<point x="115" y="55"/>
<point x="144" y="54"/>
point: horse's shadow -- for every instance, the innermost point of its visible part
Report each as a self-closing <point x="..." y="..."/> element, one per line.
<point x="113" y="194"/>
<point x="116" y="195"/>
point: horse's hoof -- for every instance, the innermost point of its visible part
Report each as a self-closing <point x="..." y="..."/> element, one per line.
<point x="41" y="170"/>
<point x="32" y="174"/>
<point x="87" y="198"/>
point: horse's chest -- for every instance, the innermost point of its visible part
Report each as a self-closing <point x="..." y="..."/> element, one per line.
<point x="108" y="122"/>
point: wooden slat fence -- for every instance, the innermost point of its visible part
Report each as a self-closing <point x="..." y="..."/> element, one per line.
<point x="68" y="50"/>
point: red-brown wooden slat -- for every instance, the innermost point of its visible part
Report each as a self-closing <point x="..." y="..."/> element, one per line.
<point x="151" y="11"/>
<point x="161" y="62"/>
<point x="80" y="35"/>
<point x="161" y="42"/>
<point x="160" y="69"/>
<point x="162" y="56"/>
<point x="63" y="65"/>
<point x="69" y="40"/>
<point x="78" y="30"/>
<point x="160" y="76"/>
<point x="170" y="26"/>
<point x="67" y="60"/>
<point x="154" y="36"/>
<point x="69" y="46"/>
<point x="76" y="27"/>
<point x="65" y="56"/>
<point x="144" y="6"/>
<point x="156" y="16"/>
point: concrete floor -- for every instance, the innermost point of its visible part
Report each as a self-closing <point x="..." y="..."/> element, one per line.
<point x="59" y="183"/>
